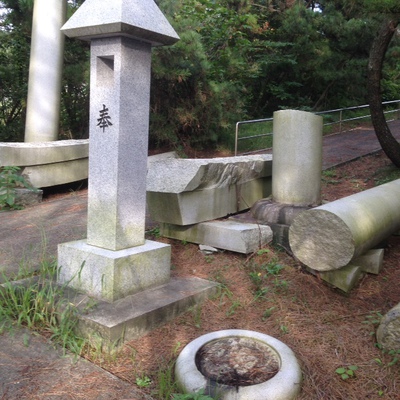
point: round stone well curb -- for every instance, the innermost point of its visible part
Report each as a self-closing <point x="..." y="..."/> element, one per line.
<point x="285" y="385"/>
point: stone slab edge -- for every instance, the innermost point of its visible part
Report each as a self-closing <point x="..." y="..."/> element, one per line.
<point x="133" y="316"/>
<point x="227" y="235"/>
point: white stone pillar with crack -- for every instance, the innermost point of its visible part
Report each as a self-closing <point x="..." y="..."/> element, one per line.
<point x="116" y="260"/>
<point x="45" y="71"/>
<point x="297" y="158"/>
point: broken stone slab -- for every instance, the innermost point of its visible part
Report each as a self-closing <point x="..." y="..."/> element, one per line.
<point x="226" y="235"/>
<point x="189" y="191"/>
<point x="328" y="237"/>
<point x="371" y="262"/>
<point x="344" y="278"/>
<point x="388" y="332"/>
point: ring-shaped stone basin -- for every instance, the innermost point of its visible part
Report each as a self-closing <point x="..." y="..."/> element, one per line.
<point x="243" y="360"/>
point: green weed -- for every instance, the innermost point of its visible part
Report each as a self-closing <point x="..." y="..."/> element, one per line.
<point x="143" y="381"/>
<point x="347" y="372"/>
<point x="154" y="232"/>
<point x="266" y="276"/>
<point x="267" y="313"/>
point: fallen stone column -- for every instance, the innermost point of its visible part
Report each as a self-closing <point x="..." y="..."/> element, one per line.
<point x="328" y="237"/>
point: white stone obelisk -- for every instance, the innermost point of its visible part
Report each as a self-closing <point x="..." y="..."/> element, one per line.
<point x="45" y="71"/>
<point x="116" y="260"/>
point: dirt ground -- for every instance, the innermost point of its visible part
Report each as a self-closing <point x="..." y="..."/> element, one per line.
<point x="270" y="292"/>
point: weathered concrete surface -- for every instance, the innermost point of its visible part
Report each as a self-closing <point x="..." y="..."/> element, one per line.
<point x="228" y="235"/>
<point x="189" y="191"/>
<point x="388" y="333"/>
<point x="328" y="237"/>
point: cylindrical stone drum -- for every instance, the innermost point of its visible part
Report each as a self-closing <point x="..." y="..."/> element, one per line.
<point x="297" y="158"/>
<point x="330" y="236"/>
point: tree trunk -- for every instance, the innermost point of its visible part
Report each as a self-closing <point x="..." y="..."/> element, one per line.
<point x="389" y="144"/>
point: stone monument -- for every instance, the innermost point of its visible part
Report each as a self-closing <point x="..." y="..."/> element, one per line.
<point x="45" y="71"/>
<point x="115" y="261"/>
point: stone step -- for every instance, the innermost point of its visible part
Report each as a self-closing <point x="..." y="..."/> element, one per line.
<point x="112" y="324"/>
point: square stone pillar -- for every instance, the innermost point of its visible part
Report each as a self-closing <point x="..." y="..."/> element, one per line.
<point x="119" y="119"/>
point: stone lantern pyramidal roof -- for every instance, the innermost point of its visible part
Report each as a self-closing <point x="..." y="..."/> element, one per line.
<point x="139" y="19"/>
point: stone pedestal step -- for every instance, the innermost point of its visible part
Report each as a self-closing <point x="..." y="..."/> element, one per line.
<point x="133" y="316"/>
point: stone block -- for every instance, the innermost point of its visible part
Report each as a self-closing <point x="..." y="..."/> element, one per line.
<point x="27" y="197"/>
<point x="371" y="262"/>
<point x="388" y="333"/>
<point x="111" y="275"/>
<point x="59" y="173"/>
<point x="227" y="235"/>
<point x="344" y="278"/>
<point x="185" y="192"/>
<point x="39" y="153"/>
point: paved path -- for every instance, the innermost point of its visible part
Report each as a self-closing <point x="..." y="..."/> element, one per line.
<point x="342" y="148"/>
<point x="37" y="371"/>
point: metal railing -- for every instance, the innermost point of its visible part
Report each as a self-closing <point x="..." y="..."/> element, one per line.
<point x="340" y="121"/>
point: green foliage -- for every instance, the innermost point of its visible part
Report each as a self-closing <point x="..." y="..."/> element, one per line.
<point x="266" y="277"/>
<point x="236" y="60"/>
<point x="394" y="356"/>
<point x="347" y="372"/>
<point x="143" y="381"/>
<point x="9" y="180"/>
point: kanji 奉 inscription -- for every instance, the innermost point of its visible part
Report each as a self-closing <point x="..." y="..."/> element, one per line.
<point x="105" y="120"/>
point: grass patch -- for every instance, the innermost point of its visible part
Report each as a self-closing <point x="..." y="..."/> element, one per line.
<point x="37" y="303"/>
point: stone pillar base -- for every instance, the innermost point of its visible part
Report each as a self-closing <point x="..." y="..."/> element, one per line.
<point x="111" y="275"/>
